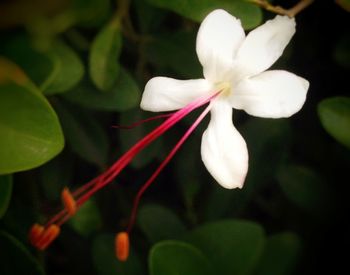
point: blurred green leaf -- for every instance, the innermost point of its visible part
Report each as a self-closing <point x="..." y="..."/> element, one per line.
<point x="345" y="4"/>
<point x="15" y="258"/>
<point x="55" y="70"/>
<point x="159" y="223"/>
<point x="183" y="59"/>
<point x="305" y="188"/>
<point x="249" y="14"/>
<point x="280" y="255"/>
<point x="5" y="193"/>
<point x="84" y="134"/>
<point x="30" y="132"/>
<point x="233" y="246"/>
<point x="91" y="13"/>
<point x="20" y="50"/>
<point x="130" y="136"/>
<point x="67" y="69"/>
<point x="175" y="257"/>
<point x="105" y="261"/>
<point x="56" y="174"/>
<point x="124" y="95"/>
<point x="87" y="220"/>
<point x="334" y="114"/>
<point x="104" y="56"/>
<point x="341" y="52"/>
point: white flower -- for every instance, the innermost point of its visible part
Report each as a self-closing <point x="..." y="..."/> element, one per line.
<point x="235" y="65"/>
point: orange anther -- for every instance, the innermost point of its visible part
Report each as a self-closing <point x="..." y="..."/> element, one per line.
<point x="68" y="201"/>
<point x="35" y="233"/>
<point x="48" y="236"/>
<point x="122" y="246"/>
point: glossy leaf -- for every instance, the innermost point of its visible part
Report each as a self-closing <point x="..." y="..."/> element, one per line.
<point x="105" y="50"/>
<point x="305" y="188"/>
<point x="233" y="246"/>
<point x="124" y="95"/>
<point x="15" y="258"/>
<point x="334" y="114"/>
<point x="280" y="255"/>
<point x="159" y="223"/>
<point x="5" y="193"/>
<point x="31" y="135"/>
<point x="175" y="257"/>
<point x="105" y="261"/>
<point x="249" y="14"/>
<point x="87" y="219"/>
<point x="66" y="72"/>
<point x="84" y="134"/>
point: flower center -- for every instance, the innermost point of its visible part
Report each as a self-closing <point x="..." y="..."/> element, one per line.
<point x="224" y="87"/>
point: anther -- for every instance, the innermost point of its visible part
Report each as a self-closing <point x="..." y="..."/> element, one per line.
<point x="48" y="236"/>
<point x="122" y="246"/>
<point x="35" y="233"/>
<point x="68" y="201"/>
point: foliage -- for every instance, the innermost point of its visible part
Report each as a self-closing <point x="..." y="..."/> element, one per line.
<point x="72" y="71"/>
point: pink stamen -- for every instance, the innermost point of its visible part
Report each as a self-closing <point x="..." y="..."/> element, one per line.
<point x="162" y="165"/>
<point x="138" y="123"/>
<point x="86" y="191"/>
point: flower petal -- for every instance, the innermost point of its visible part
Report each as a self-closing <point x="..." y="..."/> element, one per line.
<point x="168" y="94"/>
<point x="218" y="40"/>
<point x="271" y="94"/>
<point x="224" y="151"/>
<point x="265" y="44"/>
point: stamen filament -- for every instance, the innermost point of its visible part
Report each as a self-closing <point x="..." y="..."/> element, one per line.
<point x="162" y="165"/>
<point x="135" y="124"/>
<point x="72" y="201"/>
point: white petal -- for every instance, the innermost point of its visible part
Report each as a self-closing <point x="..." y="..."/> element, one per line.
<point x="271" y="94"/>
<point x="224" y="151"/>
<point x="168" y="94"/>
<point x="218" y="39"/>
<point x="265" y="44"/>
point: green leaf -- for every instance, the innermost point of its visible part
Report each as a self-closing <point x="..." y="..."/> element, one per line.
<point x="345" y="4"/>
<point x="280" y="255"/>
<point x="87" y="220"/>
<point x="30" y="132"/>
<point x="124" y="95"/>
<point x="159" y="223"/>
<point x="15" y="258"/>
<point x="178" y="258"/>
<point x="105" y="261"/>
<point x="104" y="54"/>
<point x="182" y="60"/>
<point x="305" y="188"/>
<point x="249" y="14"/>
<point x="84" y="134"/>
<point x="233" y="246"/>
<point x="54" y="70"/>
<point x="341" y="52"/>
<point x="56" y="174"/>
<point x="66" y="72"/>
<point x="91" y="13"/>
<point x="5" y="193"/>
<point x="334" y="114"/>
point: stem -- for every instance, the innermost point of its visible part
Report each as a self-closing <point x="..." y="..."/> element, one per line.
<point x="292" y="12"/>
